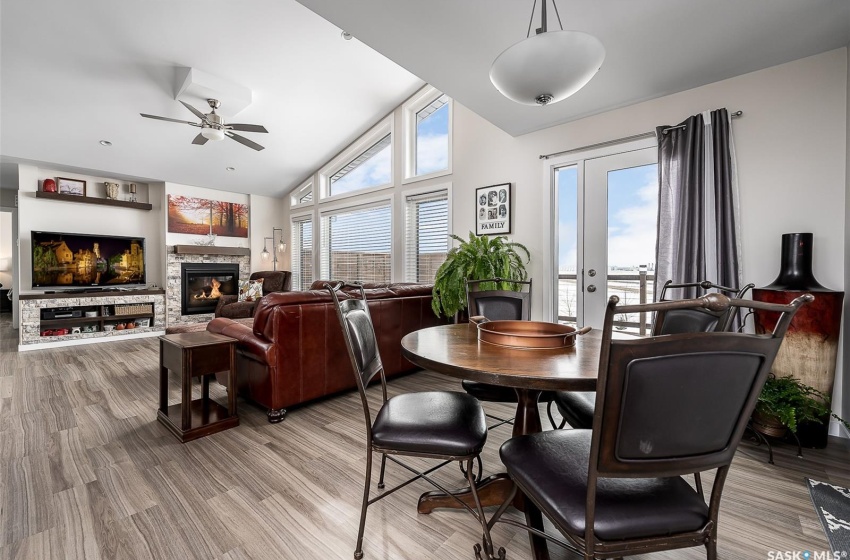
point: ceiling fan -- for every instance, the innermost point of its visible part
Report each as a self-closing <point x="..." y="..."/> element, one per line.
<point x="214" y="128"/>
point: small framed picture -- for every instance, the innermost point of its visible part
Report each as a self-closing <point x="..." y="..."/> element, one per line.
<point x="75" y="187"/>
<point x="493" y="210"/>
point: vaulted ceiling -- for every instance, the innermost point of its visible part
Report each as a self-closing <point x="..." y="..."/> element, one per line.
<point x="75" y="73"/>
<point x="654" y="47"/>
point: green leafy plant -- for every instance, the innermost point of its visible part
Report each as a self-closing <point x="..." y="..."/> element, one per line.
<point x="479" y="258"/>
<point x="791" y="402"/>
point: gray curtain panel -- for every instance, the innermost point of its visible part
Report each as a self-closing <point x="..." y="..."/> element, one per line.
<point x="698" y="214"/>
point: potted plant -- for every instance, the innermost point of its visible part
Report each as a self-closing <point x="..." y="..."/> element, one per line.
<point x="787" y="404"/>
<point x="479" y="258"/>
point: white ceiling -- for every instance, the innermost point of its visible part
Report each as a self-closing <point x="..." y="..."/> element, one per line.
<point x="654" y="47"/>
<point x="74" y="73"/>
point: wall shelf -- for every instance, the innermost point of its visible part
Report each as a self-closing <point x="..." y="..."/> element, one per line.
<point x="93" y="200"/>
<point x="211" y="250"/>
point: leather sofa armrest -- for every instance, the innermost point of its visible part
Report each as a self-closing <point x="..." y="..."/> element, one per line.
<point x="262" y="350"/>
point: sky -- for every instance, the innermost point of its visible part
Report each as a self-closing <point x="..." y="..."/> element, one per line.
<point x="432" y="154"/>
<point x="631" y="220"/>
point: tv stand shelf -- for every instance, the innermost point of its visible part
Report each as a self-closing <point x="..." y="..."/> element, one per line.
<point x="38" y="321"/>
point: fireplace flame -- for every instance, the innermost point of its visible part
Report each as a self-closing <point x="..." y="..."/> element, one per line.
<point x="214" y="293"/>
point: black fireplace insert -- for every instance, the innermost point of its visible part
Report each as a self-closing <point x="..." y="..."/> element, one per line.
<point x="204" y="283"/>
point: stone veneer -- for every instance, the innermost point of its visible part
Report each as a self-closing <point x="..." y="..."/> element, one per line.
<point x="31" y="316"/>
<point x="173" y="284"/>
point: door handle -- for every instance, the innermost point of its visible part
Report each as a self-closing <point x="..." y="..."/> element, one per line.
<point x="591" y="288"/>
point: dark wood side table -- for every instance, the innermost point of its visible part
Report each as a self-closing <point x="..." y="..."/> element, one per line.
<point x="197" y="354"/>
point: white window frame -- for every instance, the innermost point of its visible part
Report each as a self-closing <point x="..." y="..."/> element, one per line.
<point x="348" y="206"/>
<point x="303" y="217"/>
<point x="406" y="256"/>
<point x="300" y="192"/>
<point x="366" y="141"/>
<point x="408" y="156"/>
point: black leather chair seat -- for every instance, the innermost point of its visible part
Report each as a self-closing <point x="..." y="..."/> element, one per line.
<point x="431" y="423"/>
<point x="576" y="407"/>
<point x="551" y="468"/>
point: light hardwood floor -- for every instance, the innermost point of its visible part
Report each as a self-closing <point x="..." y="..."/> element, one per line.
<point x="87" y="472"/>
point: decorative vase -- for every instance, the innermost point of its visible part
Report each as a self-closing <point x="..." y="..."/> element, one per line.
<point x="111" y="191"/>
<point x="48" y="185"/>
<point x="768" y="425"/>
<point x="810" y="347"/>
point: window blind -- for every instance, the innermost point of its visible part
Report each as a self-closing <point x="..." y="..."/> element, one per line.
<point x="426" y="235"/>
<point x="302" y="253"/>
<point x="357" y="244"/>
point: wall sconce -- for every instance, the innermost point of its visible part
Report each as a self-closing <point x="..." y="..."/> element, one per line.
<point x="280" y="247"/>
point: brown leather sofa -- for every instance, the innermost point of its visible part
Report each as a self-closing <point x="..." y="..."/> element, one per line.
<point x="295" y="352"/>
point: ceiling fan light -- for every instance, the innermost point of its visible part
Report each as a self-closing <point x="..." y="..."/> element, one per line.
<point x="548" y="67"/>
<point x="212" y="133"/>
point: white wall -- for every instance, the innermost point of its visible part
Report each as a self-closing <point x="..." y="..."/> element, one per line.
<point x="845" y="381"/>
<point x="268" y="213"/>
<point x="39" y="214"/>
<point x="791" y="146"/>
<point x="6" y="249"/>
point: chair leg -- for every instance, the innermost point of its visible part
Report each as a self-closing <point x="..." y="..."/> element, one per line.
<point x="383" y="467"/>
<point x="358" y="552"/>
<point x="478" y="476"/>
<point x="488" y="542"/>
<point x="711" y="549"/>
<point x="698" y="481"/>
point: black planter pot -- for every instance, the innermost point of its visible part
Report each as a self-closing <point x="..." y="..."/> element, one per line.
<point x="814" y="435"/>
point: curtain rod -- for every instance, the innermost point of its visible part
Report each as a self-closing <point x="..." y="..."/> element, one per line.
<point x="652" y="134"/>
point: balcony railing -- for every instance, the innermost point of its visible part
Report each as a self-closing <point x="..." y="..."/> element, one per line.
<point x="631" y="288"/>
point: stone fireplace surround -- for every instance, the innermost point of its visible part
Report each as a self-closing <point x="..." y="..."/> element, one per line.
<point x="173" y="294"/>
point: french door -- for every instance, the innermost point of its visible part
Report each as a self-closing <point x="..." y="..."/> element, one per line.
<point x="606" y="208"/>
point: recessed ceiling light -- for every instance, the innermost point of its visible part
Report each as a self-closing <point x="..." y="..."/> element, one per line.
<point x="105" y="143"/>
<point x="345" y="35"/>
<point x="231" y="169"/>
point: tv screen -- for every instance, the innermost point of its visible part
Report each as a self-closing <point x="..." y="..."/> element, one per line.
<point x="78" y="260"/>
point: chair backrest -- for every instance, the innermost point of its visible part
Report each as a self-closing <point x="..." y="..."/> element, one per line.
<point x="274" y="281"/>
<point x="678" y="404"/>
<point x="678" y="321"/>
<point x="498" y="304"/>
<point x="360" y="338"/>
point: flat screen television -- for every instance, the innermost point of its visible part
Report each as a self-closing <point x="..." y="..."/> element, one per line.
<point x="75" y="260"/>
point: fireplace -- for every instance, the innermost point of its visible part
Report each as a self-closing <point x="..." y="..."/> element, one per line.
<point x="204" y="283"/>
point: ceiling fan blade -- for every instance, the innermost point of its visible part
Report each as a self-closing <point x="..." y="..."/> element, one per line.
<point x="168" y="119"/>
<point x="245" y="141"/>
<point x="197" y="113"/>
<point x="247" y="127"/>
<point x="200" y="140"/>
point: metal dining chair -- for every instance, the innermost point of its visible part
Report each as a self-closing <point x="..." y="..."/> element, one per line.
<point x="576" y="407"/>
<point x="444" y="425"/>
<point x="666" y="406"/>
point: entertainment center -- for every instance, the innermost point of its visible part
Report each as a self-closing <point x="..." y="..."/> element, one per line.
<point x="66" y="319"/>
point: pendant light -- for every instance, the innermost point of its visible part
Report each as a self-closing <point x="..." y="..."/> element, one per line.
<point x="549" y="66"/>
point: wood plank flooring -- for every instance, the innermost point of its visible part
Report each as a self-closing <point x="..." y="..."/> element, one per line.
<point x="87" y="472"/>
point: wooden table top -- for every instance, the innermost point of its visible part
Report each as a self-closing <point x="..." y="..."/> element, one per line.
<point x="456" y="351"/>
<point x="195" y="339"/>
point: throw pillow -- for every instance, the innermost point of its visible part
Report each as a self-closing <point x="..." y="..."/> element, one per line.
<point x="250" y="290"/>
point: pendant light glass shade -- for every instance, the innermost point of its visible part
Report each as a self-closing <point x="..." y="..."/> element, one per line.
<point x="547" y="67"/>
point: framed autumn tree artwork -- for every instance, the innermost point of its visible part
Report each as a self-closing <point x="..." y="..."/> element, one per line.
<point x="201" y="216"/>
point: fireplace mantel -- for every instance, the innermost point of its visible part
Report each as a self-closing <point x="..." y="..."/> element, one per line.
<point x="211" y="250"/>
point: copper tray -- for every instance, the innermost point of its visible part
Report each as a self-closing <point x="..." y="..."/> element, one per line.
<point x="526" y="334"/>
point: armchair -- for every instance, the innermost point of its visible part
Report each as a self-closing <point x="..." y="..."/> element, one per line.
<point x="230" y="307"/>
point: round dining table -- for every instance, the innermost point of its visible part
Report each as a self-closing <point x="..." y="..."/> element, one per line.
<point x="455" y="350"/>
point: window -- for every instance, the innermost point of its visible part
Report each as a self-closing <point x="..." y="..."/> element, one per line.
<point x="302" y="253"/>
<point x="427" y="135"/>
<point x="357" y="244"/>
<point x="426" y="235"/>
<point x="302" y="195"/>
<point x="366" y="164"/>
